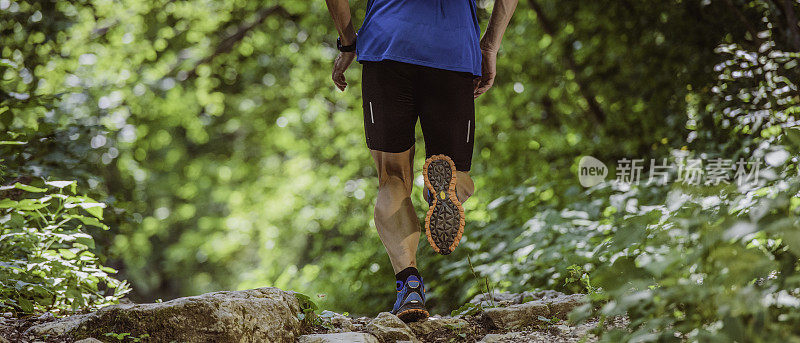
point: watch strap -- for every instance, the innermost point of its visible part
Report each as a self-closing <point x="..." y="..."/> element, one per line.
<point x="345" y="48"/>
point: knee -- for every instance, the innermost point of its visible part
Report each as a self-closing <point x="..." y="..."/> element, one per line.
<point x="396" y="178"/>
<point x="395" y="186"/>
<point x="392" y="192"/>
<point x="394" y="169"/>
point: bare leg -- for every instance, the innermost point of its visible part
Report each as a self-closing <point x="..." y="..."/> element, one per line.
<point x="395" y="219"/>
<point x="464" y="186"/>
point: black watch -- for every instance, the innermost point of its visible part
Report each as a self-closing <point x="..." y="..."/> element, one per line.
<point x="345" y="48"/>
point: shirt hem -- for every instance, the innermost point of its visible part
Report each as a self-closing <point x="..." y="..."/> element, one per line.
<point x="377" y="58"/>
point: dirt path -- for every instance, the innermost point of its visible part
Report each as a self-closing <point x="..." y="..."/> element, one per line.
<point x="505" y="317"/>
<point x="273" y="315"/>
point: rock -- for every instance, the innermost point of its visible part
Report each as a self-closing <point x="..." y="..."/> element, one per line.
<point x="493" y="337"/>
<point x="89" y="340"/>
<point x="504" y="298"/>
<point x="344" y="337"/>
<point x="564" y="328"/>
<point x="537" y="337"/>
<point x="433" y="324"/>
<point x="45" y="316"/>
<point x="255" y="315"/>
<point x="561" y="306"/>
<point x="515" y="316"/>
<point x="541" y="295"/>
<point x="388" y="328"/>
<point x="342" y="324"/>
<point x="3" y="340"/>
<point x="58" y="327"/>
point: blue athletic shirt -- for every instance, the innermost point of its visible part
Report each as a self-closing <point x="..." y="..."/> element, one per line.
<point x="440" y="34"/>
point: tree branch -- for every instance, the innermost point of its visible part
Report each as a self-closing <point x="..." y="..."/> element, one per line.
<point x="792" y="23"/>
<point x="597" y="114"/>
<point x="227" y="44"/>
<point x="747" y="23"/>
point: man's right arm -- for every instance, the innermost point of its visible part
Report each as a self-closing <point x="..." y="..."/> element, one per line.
<point x="340" y="12"/>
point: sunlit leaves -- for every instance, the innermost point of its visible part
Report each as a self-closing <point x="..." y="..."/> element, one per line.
<point x="46" y="260"/>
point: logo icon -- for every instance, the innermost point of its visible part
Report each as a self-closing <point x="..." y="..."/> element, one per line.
<point x="591" y="171"/>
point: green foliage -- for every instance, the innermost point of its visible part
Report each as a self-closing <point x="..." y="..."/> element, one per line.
<point x="577" y="274"/>
<point x="126" y="335"/>
<point x="468" y="309"/>
<point x="213" y="130"/>
<point x="46" y="257"/>
<point x="308" y="311"/>
<point x="713" y="266"/>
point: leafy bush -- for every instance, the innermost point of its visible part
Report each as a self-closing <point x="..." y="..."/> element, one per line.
<point x="706" y="267"/>
<point x="46" y="258"/>
<point x="707" y="263"/>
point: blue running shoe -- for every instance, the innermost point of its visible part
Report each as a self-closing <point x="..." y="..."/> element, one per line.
<point x="410" y="304"/>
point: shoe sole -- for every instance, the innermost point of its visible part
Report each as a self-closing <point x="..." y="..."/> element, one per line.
<point x="444" y="222"/>
<point x="413" y="315"/>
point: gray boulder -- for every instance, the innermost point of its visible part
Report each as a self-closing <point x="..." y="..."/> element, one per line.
<point x="516" y="316"/>
<point x="341" y="323"/>
<point x="344" y="337"/>
<point x="256" y="315"/>
<point x="541" y="295"/>
<point x="561" y="306"/>
<point x="505" y="298"/>
<point x="388" y="328"/>
<point x="433" y="324"/>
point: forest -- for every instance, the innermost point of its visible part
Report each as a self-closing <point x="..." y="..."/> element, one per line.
<point x="151" y="150"/>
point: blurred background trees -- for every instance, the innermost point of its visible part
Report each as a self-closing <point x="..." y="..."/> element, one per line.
<point x="228" y="160"/>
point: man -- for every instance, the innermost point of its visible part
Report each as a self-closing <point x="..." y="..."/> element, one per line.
<point x="421" y="59"/>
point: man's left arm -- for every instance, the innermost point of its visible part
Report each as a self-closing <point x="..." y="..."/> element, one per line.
<point x="490" y="43"/>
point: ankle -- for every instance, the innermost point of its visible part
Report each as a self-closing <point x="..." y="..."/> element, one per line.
<point x="405" y="273"/>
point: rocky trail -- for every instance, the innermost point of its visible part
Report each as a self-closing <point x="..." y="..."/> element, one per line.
<point x="274" y="315"/>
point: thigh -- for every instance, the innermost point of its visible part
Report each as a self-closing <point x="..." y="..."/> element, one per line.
<point x="388" y="104"/>
<point x="447" y="115"/>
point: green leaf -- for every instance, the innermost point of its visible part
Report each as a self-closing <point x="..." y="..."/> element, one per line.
<point x="28" y="188"/>
<point x="793" y="134"/>
<point x="10" y="266"/>
<point x="84" y="239"/>
<point x="88" y="220"/>
<point x="67" y="254"/>
<point x="467" y="309"/>
<point x="4" y="62"/>
<point x="59" y="184"/>
<point x="29" y="205"/>
<point x="25" y="305"/>
<point x="94" y="208"/>
<point x="7" y="203"/>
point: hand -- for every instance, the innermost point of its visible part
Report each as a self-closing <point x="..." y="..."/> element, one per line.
<point x="488" y="72"/>
<point x="339" y="66"/>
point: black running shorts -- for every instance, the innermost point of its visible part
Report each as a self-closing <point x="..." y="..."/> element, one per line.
<point x="396" y="94"/>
